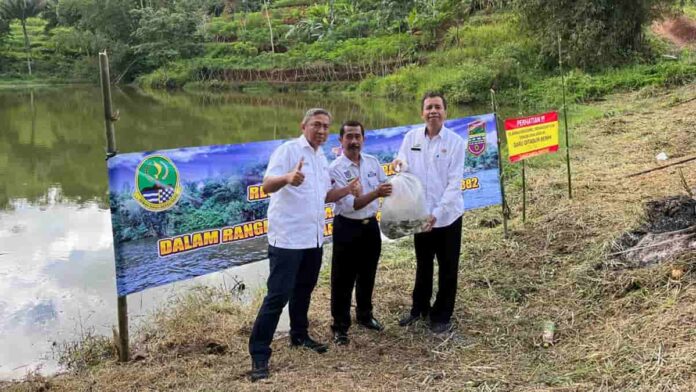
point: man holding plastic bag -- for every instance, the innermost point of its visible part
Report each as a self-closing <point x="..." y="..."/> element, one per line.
<point x="356" y="241"/>
<point x="435" y="155"/>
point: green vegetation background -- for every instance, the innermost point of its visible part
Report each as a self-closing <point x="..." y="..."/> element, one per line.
<point x="393" y="49"/>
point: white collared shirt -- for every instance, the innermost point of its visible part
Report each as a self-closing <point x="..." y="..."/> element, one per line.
<point x="439" y="164"/>
<point x="343" y="170"/>
<point x="296" y="214"/>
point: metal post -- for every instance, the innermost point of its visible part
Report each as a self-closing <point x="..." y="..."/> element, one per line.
<point x="505" y="209"/>
<point x="109" y="119"/>
<point x="565" y="118"/>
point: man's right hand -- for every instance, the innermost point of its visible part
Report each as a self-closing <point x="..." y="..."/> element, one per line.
<point x="295" y="177"/>
<point x="398" y="165"/>
<point x="355" y="187"/>
<point x="384" y="190"/>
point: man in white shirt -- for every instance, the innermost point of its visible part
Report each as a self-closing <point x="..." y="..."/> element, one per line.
<point x="356" y="238"/>
<point x="297" y="177"/>
<point x="436" y="156"/>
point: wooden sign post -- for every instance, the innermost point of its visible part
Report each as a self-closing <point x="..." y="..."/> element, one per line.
<point x="109" y="119"/>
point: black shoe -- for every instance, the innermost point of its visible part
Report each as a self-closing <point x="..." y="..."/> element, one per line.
<point x="408" y="319"/>
<point x="259" y="370"/>
<point x="341" y="338"/>
<point x="437" y="327"/>
<point x="371" y="323"/>
<point x="310" y="344"/>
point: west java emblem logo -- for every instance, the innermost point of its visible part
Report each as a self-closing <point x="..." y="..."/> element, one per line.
<point x="157" y="183"/>
<point x="476" y="143"/>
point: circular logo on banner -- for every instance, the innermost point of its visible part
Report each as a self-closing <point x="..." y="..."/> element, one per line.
<point x="157" y="185"/>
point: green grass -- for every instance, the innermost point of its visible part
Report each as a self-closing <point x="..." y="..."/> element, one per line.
<point x="291" y="3"/>
<point x="690" y="11"/>
<point x="582" y="87"/>
<point x="242" y="56"/>
<point x="491" y="52"/>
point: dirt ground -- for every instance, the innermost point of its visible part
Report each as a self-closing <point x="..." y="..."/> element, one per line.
<point x="680" y="30"/>
<point x="618" y="329"/>
<point x="669" y="230"/>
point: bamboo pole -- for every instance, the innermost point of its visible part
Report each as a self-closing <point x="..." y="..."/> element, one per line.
<point x="661" y="167"/>
<point x="524" y="192"/>
<point x="565" y="118"/>
<point x="505" y="208"/>
<point x="109" y="119"/>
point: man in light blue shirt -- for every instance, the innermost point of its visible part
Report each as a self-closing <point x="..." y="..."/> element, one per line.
<point x="356" y="237"/>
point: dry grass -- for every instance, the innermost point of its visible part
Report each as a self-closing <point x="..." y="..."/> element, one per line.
<point x="618" y="329"/>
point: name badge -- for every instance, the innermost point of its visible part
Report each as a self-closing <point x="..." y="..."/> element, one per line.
<point x="371" y="174"/>
<point x="416" y="147"/>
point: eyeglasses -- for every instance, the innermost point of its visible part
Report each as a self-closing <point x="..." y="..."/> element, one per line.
<point x="319" y="125"/>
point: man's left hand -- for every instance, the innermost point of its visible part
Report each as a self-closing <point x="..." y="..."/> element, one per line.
<point x="430" y="222"/>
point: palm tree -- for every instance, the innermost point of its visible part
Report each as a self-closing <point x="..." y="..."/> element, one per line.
<point x="22" y="9"/>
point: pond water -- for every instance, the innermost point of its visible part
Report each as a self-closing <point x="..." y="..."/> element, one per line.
<point x="56" y="251"/>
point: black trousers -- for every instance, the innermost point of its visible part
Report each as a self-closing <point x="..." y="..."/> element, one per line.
<point x="445" y="243"/>
<point x="356" y="248"/>
<point x="294" y="274"/>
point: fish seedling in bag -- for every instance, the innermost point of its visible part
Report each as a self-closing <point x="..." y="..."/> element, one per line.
<point x="404" y="212"/>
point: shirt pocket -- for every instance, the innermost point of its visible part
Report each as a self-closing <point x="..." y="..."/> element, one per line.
<point x="371" y="182"/>
<point x="442" y="162"/>
<point x="309" y="176"/>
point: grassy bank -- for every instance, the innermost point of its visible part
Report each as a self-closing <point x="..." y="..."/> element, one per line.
<point x="487" y="51"/>
<point x="463" y="56"/>
<point x="618" y="328"/>
<point x="491" y="51"/>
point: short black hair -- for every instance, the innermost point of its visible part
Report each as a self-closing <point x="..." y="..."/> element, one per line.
<point x="433" y="94"/>
<point x="351" y="123"/>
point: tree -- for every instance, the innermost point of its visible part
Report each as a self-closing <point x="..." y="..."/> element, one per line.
<point x="4" y="28"/>
<point x="21" y="9"/>
<point x="595" y="33"/>
<point x="163" y="35"/>
<point x="270" y="26"/>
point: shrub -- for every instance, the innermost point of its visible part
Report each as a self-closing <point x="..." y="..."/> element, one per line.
<point x="225" y="49"/>
<point x="595" y="33"/>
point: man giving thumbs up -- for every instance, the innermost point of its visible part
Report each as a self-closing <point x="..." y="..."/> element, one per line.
<point x="297" y="178"/>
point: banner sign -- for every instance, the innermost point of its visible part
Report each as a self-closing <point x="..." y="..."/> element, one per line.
<point x="181" y="213"/>
<point x="531" y="136"/>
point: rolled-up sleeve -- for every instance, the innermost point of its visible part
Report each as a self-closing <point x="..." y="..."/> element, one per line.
<point x="452" y="195"/>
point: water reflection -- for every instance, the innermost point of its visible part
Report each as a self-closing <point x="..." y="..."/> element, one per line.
<point x="57" y="280"/>
<point x="55" y="135"/>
